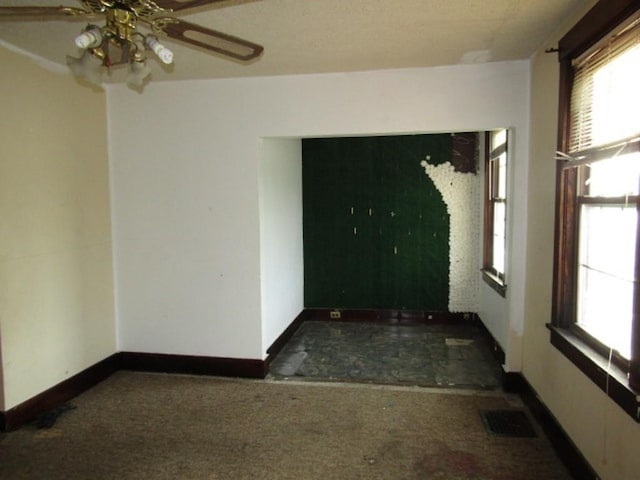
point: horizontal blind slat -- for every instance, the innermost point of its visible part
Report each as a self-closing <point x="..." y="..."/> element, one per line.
<point x="593" y="72"/>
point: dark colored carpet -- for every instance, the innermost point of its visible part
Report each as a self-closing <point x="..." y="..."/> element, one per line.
<point x="152" y="426"/>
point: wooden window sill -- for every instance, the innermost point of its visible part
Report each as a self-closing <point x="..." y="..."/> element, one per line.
<point x="609" y="378"/>
<point x="494" y="282"/>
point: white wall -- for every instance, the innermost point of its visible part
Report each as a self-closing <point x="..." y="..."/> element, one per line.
<point x="603" y="432"/>
<point x="281" y="252"/>
<point x="185" y="179"/>
<point x="494" y="309"/>
<point x="56" y="279"/>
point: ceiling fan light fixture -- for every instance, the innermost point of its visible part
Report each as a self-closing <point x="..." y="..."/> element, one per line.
<point x="138" y="72"/>
<point x="90" y="38"/>
<point x="163" y="53"/>
<point x="87" y="66"/>
<point x="118" y="43"/>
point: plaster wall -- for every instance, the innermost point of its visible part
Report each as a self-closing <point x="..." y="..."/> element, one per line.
<point x="56" y="278"/>
<point x="604" y="433"/>
<point x="281" y="248"/>
<point x="185" y="162"/>
<point x="493" y="311"/>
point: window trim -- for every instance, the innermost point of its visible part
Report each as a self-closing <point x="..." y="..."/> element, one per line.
<point x="495" y="279"/>
<point x="589" y="355"/>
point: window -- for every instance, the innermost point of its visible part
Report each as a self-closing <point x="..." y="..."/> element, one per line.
<point x="606" y="218"/>
<point x="495" y="210"/>
<point x="596" y="294"/>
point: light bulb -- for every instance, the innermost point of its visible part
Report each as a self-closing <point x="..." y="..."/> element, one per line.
<point x="163" y="53"/>
<point x="90" y="38"/>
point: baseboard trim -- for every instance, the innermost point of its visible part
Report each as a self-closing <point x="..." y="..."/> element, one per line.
<point x="498" y="352"/>
<point x="566" y="450"/>
<point x="57" y="395"/>
<point x="514" y="382"/>
<point x="285" y="336"/>
<point x="387" y="316"/>
<point x="193" y="365"/>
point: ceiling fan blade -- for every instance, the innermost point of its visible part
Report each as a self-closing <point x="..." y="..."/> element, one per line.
<point x="43" y="12"/>
<point x="175" y="5"/>
<point x="206" y="38"/>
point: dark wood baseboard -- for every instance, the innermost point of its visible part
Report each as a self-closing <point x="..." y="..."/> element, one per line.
<point x="514" y="382"/>
<point x="498" y="352"/>
<point x="193" y="365"/>
<point x="59" y="394"/>
<point x="403" y="317"/>
<point x="55" y="396"/>
<point x="285" y="336"/>
<point x="566" y="450"/>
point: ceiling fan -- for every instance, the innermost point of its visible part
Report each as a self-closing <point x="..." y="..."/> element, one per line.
<point x="119" y="42"/>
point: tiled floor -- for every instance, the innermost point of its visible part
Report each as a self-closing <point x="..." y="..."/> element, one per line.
<point x="438" y="355"/>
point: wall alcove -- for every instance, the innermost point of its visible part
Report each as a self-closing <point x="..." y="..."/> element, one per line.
<point x="380" y="221"/>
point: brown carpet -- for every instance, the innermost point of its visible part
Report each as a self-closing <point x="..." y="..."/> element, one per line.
<point x="150" y="426"/>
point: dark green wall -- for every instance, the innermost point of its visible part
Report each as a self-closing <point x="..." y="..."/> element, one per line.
<point x="376" y="230"/>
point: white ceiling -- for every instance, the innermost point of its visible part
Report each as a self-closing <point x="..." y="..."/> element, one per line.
<point x="318" y="36"/>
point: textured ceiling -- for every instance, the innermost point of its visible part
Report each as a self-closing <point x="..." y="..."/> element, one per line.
<point x="317" y="36"/>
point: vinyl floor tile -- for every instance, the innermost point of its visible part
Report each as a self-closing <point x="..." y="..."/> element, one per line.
<point x="447" y="355"/>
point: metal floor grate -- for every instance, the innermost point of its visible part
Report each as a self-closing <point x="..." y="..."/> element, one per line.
<point x="507" y="423"/>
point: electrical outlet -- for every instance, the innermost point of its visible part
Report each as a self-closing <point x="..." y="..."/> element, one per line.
<point x="335" y="314"/>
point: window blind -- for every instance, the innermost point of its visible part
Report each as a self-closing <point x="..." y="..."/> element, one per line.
<point x="605" y="98"/>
